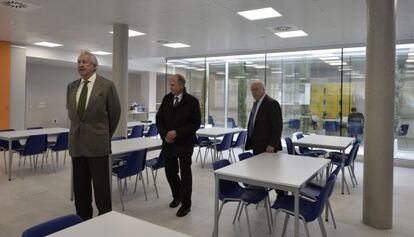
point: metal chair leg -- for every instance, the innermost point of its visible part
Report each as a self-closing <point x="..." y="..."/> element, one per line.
<point x="247" y="218"/>
<point x="285" y="224"/>
<point x="306" y="228"/>
<point x="322" y="226"/>
<point x="330" y="210"/>
<point x="143" y="185"/>
<point x="237" y="212"/>
<point x="120" y="193"/>
<point x="154" y="177"/>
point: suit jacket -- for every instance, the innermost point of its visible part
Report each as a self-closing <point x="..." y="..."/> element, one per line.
<point x="185" y="119"/>
<point x="90" y="136"/>
<point x="267" y="127"/>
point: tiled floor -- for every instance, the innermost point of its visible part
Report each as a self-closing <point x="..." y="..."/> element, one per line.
<point x="41" y="196"/>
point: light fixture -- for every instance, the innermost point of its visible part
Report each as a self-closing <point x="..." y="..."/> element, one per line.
<point x="48" y="44"/>
<point x="176" y="45"/>
<point x="132" y="33"/>
<point x="291" y="34"/>
<point x="101" y="53"/>
<point x="259" y="14"/>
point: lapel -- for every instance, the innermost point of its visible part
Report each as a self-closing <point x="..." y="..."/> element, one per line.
<point x="260" y="110"/>
<point x="73" y="91"/>
<point x="94" y="94"/>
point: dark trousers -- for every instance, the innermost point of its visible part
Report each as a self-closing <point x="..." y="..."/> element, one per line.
<point x="88" y="170"/>
<point x="181" y="187"/>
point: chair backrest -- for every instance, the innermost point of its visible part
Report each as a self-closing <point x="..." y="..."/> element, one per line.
<point x="319" y="205"/>
<point x="137" y="131"/>
<point x="211" y="120"/>
<point x="160" y="161"/>
<point x="226" y="187"/>
<point x="289" y="146"/>
<point x="353" y="153"/>
<point x="355" y="128"/>
<point x="302" y="149"/>
<point x="231" y="123"/>
<point x="226" y="142"/>
<point x="61" y="142"/>
<point x="118" y="138"/>
<point x="245" y="155"/>
<point x="403" y="129"/>
<point x="135" y="163"/>
<point x="294" y="123"/>
<point x="331" y="126"/>
<point x="152" y="131"/>
<point x="241" y="139"/>
<point x="52" y="226"/>
<point x="35" y="144"/>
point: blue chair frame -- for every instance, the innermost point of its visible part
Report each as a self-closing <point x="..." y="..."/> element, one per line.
<point x="155" y="164"/>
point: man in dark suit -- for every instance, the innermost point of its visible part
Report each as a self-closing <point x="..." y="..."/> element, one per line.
<point x="265" y="122"/>
<point x="178" y="119"/>
<point x="94" y="110"/>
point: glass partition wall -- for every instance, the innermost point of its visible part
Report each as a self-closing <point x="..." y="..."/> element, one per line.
<point x="316" y="89"/>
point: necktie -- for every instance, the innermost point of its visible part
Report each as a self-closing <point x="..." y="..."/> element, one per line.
<point x="176" y="101"/>
<point x="251" y="122"/>
<point x="82" y="99"/>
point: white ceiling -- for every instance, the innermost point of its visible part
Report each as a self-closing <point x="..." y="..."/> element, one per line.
<point x="209" y="26"/>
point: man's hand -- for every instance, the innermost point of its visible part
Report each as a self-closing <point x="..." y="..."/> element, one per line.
<point x="270" y="149"/>
<point x="170" y="137"/>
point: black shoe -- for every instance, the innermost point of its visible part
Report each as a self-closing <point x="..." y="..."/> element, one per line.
<point x="175" y="202"/>
<point x="183" y="211"/>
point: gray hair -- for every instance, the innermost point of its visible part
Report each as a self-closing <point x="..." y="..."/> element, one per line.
<point x="92" y="57"/>
<point x="259" y="82"/>
<point x="180" y="78"/>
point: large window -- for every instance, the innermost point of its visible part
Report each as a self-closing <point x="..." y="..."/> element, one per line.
<point x="316" y="89"/>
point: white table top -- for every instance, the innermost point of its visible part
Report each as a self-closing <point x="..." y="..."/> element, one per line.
<point x="137" y="123"/>
<point x="274" y="169"/>
<point x="25" y="133"/>
<point x="217" y="131"/>
<point x="326" y="142"/>
<point x="116" y="224"/>
<point x="134" y="144"/>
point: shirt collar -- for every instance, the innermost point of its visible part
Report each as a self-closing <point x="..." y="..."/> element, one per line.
<point x="180" y="96"/>
<point x="261" y="99"/>
<point x="90" y="79"/>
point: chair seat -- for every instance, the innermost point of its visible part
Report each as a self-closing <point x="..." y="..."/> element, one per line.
<point x="234" y="194"/>
<point x="153" y="163"/>
<point x="311" y="190"/>
<point x="287" y="202"/>
<point x="314" y="153"/>
<point x="254" y="195"/>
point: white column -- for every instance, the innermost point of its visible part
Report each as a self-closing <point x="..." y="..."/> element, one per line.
<point x="379" y="109"/>
<point x="120" y="73"/>
<point x="18" y="87"/>
<point x="148" y="83"/>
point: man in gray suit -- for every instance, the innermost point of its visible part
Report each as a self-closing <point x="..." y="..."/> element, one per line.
<point x="94" y="111"/>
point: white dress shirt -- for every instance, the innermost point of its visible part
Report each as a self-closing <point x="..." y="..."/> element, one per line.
<point x="180" y="96"/>
<point x="90" y="86"/>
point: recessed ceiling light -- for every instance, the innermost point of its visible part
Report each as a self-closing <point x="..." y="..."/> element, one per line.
<point x="132" y="33"/>
<point x="48" y="44"/>
<point x="101" y="53"/>
<point x="290" y="34"/>
<point x="259" y="14"/>
<point x="176" y="45"/>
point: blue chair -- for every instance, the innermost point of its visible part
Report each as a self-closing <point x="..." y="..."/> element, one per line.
<point x="294" y="124"/>
<point x="403" y="131"/>
<point x="134" y="165"/>
<point x="4" y="146"/>
<point x="308" y="210"/>
<point x="211" y="120"/>
<point x="155" y="164"/>
<point x="52" y="226"/>
<point x="305" y="151"/>
<point x="240" y="141"/>
<point x="35" y="145"/>
<point x="289" y="146"/>
<point x="314" y="190"/>
<point x="245" y="155"/>
<point x="61" y="144"/>
<point x="355" y="129"/>
<point x="201" y="142"/>
<point x="152" y="131"/>
<point x="224" y="145"/>
<point x="230" y="191"/>
<point x="137" y="131"/>
<point x="336" y="159"/>
<point x="231" y="123"/>
<point x="331" y="127"/>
